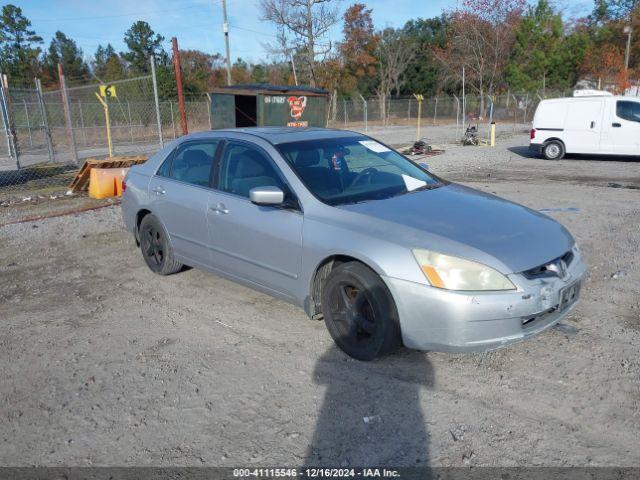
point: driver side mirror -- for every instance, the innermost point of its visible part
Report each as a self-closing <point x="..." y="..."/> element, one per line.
<point x="266" y="196"/>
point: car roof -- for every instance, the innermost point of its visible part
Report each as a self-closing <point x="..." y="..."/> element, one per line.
<point x="276" y="135"/>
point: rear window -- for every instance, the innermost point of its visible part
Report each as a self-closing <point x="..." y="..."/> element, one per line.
<point x="628" y="110"/>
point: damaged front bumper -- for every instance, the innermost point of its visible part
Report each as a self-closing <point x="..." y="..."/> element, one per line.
<point x="450" y="321"/>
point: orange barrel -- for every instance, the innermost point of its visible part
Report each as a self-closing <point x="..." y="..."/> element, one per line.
<point x="106" y="182"/>
<point x="122" y="172"/>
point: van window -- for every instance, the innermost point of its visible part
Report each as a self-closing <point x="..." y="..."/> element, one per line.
<point x="628" y="110"/>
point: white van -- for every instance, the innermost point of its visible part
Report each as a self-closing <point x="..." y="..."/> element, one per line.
<point x="591" y="122"/>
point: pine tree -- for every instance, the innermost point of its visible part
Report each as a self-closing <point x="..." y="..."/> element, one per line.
<point x="63" y="50"/>
<point x="539" y="59"/>
<point x="19" y="50"/>
<point x="142" y="42"/>
<point x="107" y="64"/>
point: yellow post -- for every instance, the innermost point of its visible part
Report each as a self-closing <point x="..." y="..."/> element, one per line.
<point x="493" y="134"/>
<point x="419" y="98"/>
<point x="105" y="105"/>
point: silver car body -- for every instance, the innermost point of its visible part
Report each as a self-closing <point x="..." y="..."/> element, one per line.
<point x="279" y="251"/>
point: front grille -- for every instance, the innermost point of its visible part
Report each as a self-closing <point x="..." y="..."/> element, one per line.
<point x="542" y="271"/>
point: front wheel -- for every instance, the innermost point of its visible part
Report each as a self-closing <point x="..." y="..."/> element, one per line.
<point x="359" y="312"/>
<point x="156" y="247"/>
<point x="553" y="150"/>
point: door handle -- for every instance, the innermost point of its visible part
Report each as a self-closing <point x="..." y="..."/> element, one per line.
<point x="220" y="208"/>
<point x="616" y="125"/>
<point x="593" y="124"/>
<point x="159" y="191"/>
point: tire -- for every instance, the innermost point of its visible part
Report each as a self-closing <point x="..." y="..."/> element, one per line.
<point x="553" y="150"/>
<point x="156" y="247"/>
<point x="359" y="312"/>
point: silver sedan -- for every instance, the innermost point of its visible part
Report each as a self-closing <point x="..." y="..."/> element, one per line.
<point x="343" y="226"/>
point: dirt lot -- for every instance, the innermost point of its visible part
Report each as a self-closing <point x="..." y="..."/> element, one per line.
<point x="104" y="363"/>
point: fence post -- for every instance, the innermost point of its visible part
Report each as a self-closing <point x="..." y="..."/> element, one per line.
<point x="515" y="111"/>
<point x="26" y="114"/>
<point x="173" y="123"/>
<point x="490" y="108"/>
<point x="178" y="71"/>
<point x="345" y="112"/>
<point x="209" y="111"/>
<point x="366" y="125"/>
<point x="156" y="101"/>
<point x="45" y="121"/>
<point x="435" y="111"/>
<point x="409" y="113"/>
<point x="6" y="117"/>
<point x="492" y="125"/>
<point x="130" y="121"/>
<point x="82" y="128"/>
<point x="457" y="114"/>
<point x="67" y="114"/>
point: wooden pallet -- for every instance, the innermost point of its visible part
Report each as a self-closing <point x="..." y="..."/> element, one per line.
<point x="81" y="180"/>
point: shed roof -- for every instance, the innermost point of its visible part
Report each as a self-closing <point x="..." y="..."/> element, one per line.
<point x="268" y="88"/>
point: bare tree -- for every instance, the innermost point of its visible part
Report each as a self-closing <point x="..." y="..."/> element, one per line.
<point x="394" y="51"/>
<point x="303" y="23"/>
<point x="481" y="38"/>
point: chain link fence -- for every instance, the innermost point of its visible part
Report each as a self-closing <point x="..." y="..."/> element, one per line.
<point x="46" y="136"/>
<point x="442" y="119"/>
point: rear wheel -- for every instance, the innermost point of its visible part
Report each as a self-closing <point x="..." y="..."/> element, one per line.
<point x="359" y="312"/>
<point x="553" y="150"/>
<point x="156" y="247"/>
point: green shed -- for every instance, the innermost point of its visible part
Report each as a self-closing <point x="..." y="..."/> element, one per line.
<point x="260" y="105"/>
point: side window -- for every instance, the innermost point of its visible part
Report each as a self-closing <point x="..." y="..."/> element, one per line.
<point x="165" y="168"/>
<point x="628" y="110"/>
<point x="193" y="161"/>
<point x="243" y="168"/>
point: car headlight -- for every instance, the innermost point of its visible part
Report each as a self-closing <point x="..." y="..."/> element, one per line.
<point x="453" y="273"/>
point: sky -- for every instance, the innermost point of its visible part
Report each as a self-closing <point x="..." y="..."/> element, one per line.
<point x="198" y="23"/>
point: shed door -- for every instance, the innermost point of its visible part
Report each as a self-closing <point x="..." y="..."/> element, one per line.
<point x="223" y="110"/>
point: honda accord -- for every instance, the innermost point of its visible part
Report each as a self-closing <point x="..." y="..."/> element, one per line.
<point x="382" y="250"/>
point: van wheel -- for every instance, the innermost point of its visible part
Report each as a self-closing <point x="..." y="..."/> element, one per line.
<point x="359" y="312"/>
<point x="553" y="150"/>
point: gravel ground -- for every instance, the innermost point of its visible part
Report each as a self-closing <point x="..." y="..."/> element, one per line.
<point x="104" y="363"/>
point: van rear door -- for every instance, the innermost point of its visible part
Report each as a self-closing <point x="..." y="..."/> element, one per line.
<point x="583" y="125"/>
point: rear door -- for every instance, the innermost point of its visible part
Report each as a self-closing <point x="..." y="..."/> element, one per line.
<point x="258" y="244"/>
<point x="625" y="127"/>
<point x="179" y="193"/>
<point x="584" y="126"/>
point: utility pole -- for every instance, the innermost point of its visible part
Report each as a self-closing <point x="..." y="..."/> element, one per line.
<point x="628" y="30"/>
<point x="225" y="29"/>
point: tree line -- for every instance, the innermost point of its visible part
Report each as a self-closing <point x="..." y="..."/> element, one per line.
<point x="502" y="45"/>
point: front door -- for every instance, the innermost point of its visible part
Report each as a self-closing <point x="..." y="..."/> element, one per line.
<point x="179" y="192"/>
<point x="625" y="127"/>
<point x="584" y="126"/>
<point x="259" y="244"/>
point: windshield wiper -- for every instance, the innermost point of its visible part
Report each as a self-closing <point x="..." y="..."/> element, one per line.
<point x="428" y="186"/>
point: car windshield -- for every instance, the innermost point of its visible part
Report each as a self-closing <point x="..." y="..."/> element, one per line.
<point x="354" y="169"/>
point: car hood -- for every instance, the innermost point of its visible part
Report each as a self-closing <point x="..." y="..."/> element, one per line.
<point x="461" y="221"/>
